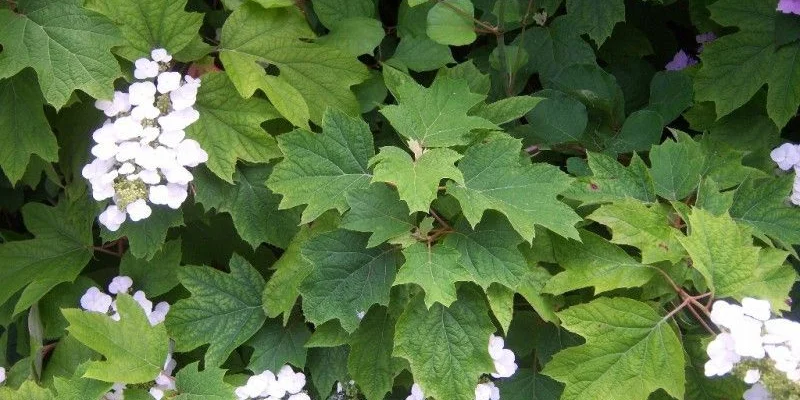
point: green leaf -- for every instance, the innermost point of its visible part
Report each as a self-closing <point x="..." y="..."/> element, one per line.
<point x="355" y="36"/>
<point x="434" y="116"/>
<point x="435" y="269"/>
<point x="701" y="387"/>
<point x="370" y="362"/>
<point x="79" y="388"/>
<point x="208" y="384"/>
<point x="28" y="391"/>
<point x="597" y="19"/>
<point x="417" y="180"/>
<point x="630" y="352"/>
<point x="23" y="126"/>
<point x="773" y="279"/>
<point x="328" y="365"/>
<point x="558" y="118"/>
<point x="595" y="262"/>
<point x="68" y="54"/>
<point x="647" y="228"/>
<point x="329" y="334"/>
<point x="495" y="178"/>
<point x="611" y="181"/>
<point x="595" y="87"/>
<point x="158" y="275"/>
<point x="229" y="127"/>
<point x="377" y="209"/>
<point x="761" y="204"/>
<point x="507" y="109"/>
<point x="68" y="355"/>
<point x="347" y="277"/>
<point x="61" y="247"/>
<point x="501" y="301"/>
<point x="421" y="54"/>
<point x="146" y="237"/>
<point x="219" y="301"/>
<point x="252" y="206"/>
<point x="721" y="251"/>
<point x="331" y="12"/>
<point x="450" y="22"/>
<point x="676" y="168"/>
<point x="640" y="130"/>
<point x="273" y="346"/>
<point x="446" y="347"/>
<point x="556" y="47"/>
<point x="150" y="24"/>
<point x="253" y="36"/>
<point x="670" y="94"/>
<point x="134" y="350"/>
<point x="320" y="169"/>
<point x="526" y="384"/>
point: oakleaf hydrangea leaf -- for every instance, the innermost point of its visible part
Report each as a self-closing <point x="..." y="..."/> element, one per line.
<point x="208" y="384"/>
<point x="24" y="130"/>
<point x="761" y="204"/>
<point x="219" y="301"/>
<point x="446" y="346"/>
<point x="347" y="277"/>
<point x="595" y="262"/>
<point x="417" y="180"/>
<point x="68" y="46"/>
<point x="79" y="388"/>
<point x="450" y="22"/>
<point x="597" y="19"/>
<point x="496" y="179"/>
<point x="157" y="275"/>
<point x="377" y="209"/>
<point x="630" y="352"/>
<point x="150" y="24"/>
<point x="773" y="279"/>
<point x="320" y="169"/>
<point x="529" y="385"/>
<point x="434" y="116"/>
<point x="330" y="12"/>
<point x="229" y="128"/>
<point x="275" y="345"/>
<point x="61" y="247"/>
<point x="436" y="269"/>
<point x="253" y="207"/>
<point x="612" y="181"/>
<point x="29" y="390"/>
<point x="134" y="350"/>
<point x="676" y="168"/>
<point x="146" y="237"/>
<point x="370" y="361"/>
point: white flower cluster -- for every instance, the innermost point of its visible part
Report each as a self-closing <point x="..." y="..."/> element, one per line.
<point x="2" y="375"/>
<point x="504" y="364"/>
<point x="750" y="335"/>
<point x="164" y="382"/>
<point x="787" y="156"/>
<point x="98" y="301"/>
<point x="286" y="385"/>
<point x="141" y="154"/>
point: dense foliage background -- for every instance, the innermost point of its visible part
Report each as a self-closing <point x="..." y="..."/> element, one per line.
<point x="391" y="182"/>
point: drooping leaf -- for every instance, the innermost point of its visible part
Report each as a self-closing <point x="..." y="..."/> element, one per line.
<point x="495" y="178"/>
<point x="377" y="209"/>
<point x="630" y="352"/>
<point x="347" y="277"/>
<point x="417" y="180"/>
<point x="597" y="19"/>
<point x="134" y="350"/>
<point x="275" y="345"/>
<point x="320" y="169"/>
<point x="252" y="206"/>
<point x="157" y="275"/>
<point x="229" y="128"/>
<point x="446" y="347"/>
<point x="436" y="269"/>
<point x="68" y="54"/>
<point x="208" y="384"/>
<point x="219" y="301"/>
<point x="24" y="130"/>
<point x="146" y="237"/>
<point x="370" y="361"/>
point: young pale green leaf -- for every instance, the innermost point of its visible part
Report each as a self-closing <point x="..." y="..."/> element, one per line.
<point x="676" y="168"/>
<point x="146" y="237"/>
<point x="611" y="181"/>
<point x="347" y="277"/>
<point x="630" y="352"/>
<point x="229" y="128"/>
<point x="320" y="169"/>
<point x="29" y="390"/>
<point x="434" y="116"/>
<point x="446" y="347"/>
<point x="597" y="19"/>
<point x="157" y="275"/>
<point x="645" y="227"/>
<point x="526" y="384"/>
<point x="595" y="262"/>
<point x="435" y="269"/>
<point x="24" y="130"/>
<point x="134" y="350"/>
<point x="61" y="247"/>
<point x="253" y="36"/>
<point x="219" y="301"/>
<point x="496" y="179"/>
<point x="150" y="24"/>
<point x="721" y="251"/>
<point x="275" y="345"/>
<point x="68" y="54"/>
<point x="773" y="279"/>
<point x="417" y="180"/>
<point x="377" y="209"/>
<point x="450" y="22"/>
<point x="501" y="301"/>
<point x="208" y="384"/>
<point x="252" y="206"/>
<point x="761" y="204"/>
<point x="370" y="361"/>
